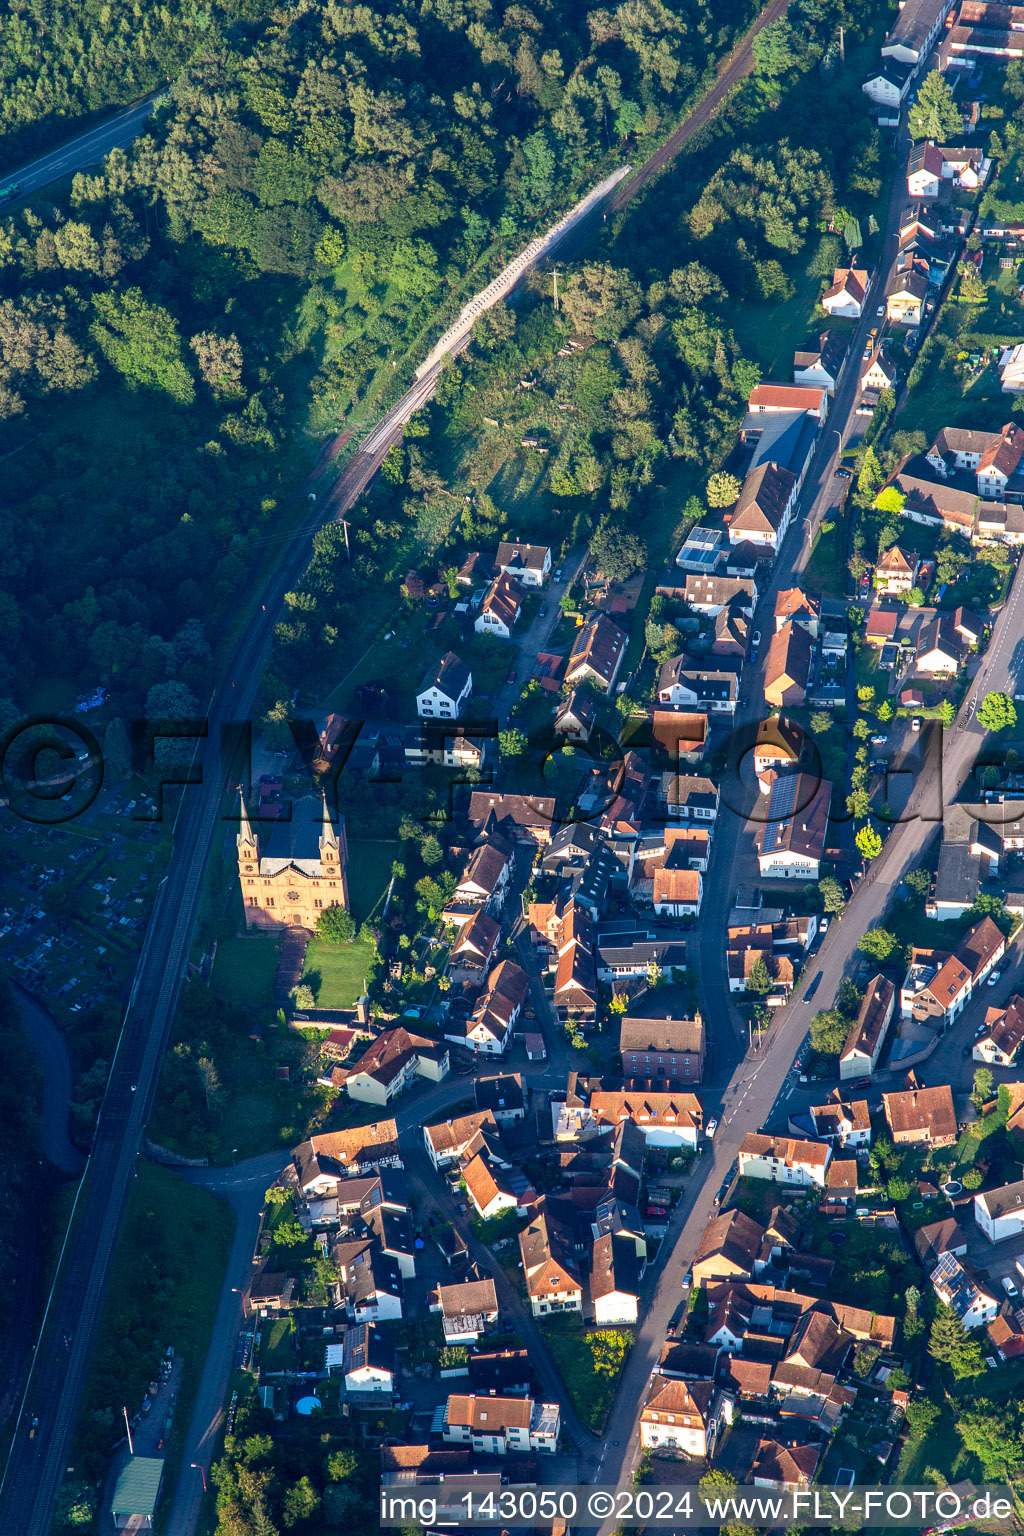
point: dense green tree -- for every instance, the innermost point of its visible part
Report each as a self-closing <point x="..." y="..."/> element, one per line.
<point x="935" y="114"/>
<point x="141" y="340"/>
<point x="997" y="712"/>
<point x="335" y="925"/>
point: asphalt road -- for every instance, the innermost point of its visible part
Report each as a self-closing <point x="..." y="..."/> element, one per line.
<point x="88" y="149"/>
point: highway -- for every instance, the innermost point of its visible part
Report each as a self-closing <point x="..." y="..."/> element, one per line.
<point x="88" y="149"/>
<point x="49" y="1407"/>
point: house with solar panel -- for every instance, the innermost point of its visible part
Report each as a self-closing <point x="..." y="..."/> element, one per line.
<point x="791" y="839"/>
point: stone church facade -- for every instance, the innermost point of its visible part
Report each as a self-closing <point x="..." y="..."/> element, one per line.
<point x="289" y="875"/>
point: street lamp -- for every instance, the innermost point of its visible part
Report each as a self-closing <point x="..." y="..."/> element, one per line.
<point x="196" y="1467"/>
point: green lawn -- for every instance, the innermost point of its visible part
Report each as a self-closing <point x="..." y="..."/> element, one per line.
<point x="825" y="570"/>
<point x="244" y="970"/>
<point x="164" y="1288"/>
<point x="337" y="972"/>
<point x="277" y="1346"/>
<point x="369" y="870"/>
<point x="573" y="1350"/>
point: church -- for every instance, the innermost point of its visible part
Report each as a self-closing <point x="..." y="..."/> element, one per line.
<point x="289" y="875"/>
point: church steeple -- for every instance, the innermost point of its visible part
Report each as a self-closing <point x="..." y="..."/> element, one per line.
<point x="246" y="838"/>
<point x="328" y="836"/>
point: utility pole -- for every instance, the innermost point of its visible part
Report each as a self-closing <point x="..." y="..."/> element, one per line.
<point x="555" y="275"/>
<point x="131" y="1448"/>
<point x="842" y="46"/>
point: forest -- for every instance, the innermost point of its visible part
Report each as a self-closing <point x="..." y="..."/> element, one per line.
<point x="635" y="386"/>
<point x="179" y="329"/>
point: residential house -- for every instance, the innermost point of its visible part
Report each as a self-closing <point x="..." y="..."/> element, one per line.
<point x="503" y="1096"/>
<point x="681" y="734"/>
<point x="615" y="1273"/>
<point x="924" y="170"/>
<point x="843" y="1122"/>
<point x="689" y="797"/>
<point x="712" y="594"/>
<point x="529" y="564"/>
<point x="500" y="1373"/>
<point x="673" y="1120"/>
<point x="322" y="1162"/>
<point x="1000" y="1212"/>
<point x="467" y="1309"/>
<point x="921" y="1116"/>
<point x="730" y="633"/>
<point x="493" y="1019"/>
<point x="575" y="990"/>
<point x="500" y="609"/>
<point x="523" y="818"/>
<point x="963" y="1293"/>
<point x="662" y="1051"/>
<point x="994" y="457"/>
<point x="1005" y="1331"/>
<point x="968" y="626"/>
<point x="447" y="1141"/>
<point x="784" y="1160"/>
<point x="767" y="397"/>
<point x="777" y="748"/>
<point x="499" y="1426"/>
<point x="730" y="1249"/>
<point x="679" y="1416"/>
<point x="860" y="1054"/>
<point x="678" y="892"/>
<point x="879" y="372"/>
<point x="905" y="299"/>
<point x="597" y="654"/>
<point x="937" y="985"/>
<point x="683" y="684"/>
<point x="999" y="1045"/>
<point x="937" y="1238"/>
<point x="820" y="364"/>
<point x="446" y="690"/>
<point x="576" y="716"/>
<point x="370" y="1281"/>
<point x="795" y="606"/>
<point x="366" y="1359"/>
<point x="896" y="571"/>
<point x="390" y="1063"/>
<point x="789" y="1467"/>
<point x="791" y="839"/>
<point x="915" y="31"/>
<point x="547" y="1250"/>
<point x="474" y="948"/>
<point x="494" y="1185"/>
<point x="765" y="506"/>
<point x="889" y="86"/>
<point x="936" y="988"/>
<point x="940" y="651"/>
<point x="845" y="297"/>
<point x="485" y="880"/>
<point x="788" y="669"/>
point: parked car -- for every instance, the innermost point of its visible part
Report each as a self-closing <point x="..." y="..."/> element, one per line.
<point x="822" y="928"/>
<point x="880" y="311"/>
<point x="711" y="1127"/>
<point x="879" y="741"/>
<point x="979" y="1031"/>
<point x="1009" y="1287"/>
<point x="915" y="724"/>
<point x="755" y="640"/>
<point x="996" y="976"/>
<point x="558" y="575"/>
<point x="843" y="474"/>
